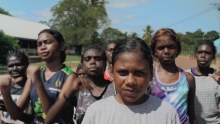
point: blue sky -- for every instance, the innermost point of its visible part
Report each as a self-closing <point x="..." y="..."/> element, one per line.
<point x="133" y="15"/>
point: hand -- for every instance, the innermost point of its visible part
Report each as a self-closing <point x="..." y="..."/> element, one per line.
<point x="35" y="75"/>
<point x="215" y="76"/>
<point x="6" y="82"/>
<point x="80" y="83"/>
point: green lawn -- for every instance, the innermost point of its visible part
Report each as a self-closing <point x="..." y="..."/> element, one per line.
<point x="71" y="61"/>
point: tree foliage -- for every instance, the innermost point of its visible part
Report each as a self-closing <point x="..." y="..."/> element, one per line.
<point x="148" y="32"/>
<point x="7" y="43"/>
<point x="2" y="11"/>
<point x="79" y="21"/>
<point x="111" y="34"/>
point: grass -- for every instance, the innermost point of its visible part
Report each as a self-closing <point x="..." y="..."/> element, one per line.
<point x="3" y="69"/>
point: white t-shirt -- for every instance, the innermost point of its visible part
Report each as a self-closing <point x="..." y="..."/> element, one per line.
<point x="109" y="111"/>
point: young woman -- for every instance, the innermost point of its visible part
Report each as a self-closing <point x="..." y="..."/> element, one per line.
<point x="132" y="70"/>
<point x="170" y="83"/>
<point x="17" y="64"/>
<point x="109" y="49"/>
<point x="207" y="96"/>
<point x="93" y="61"/>
<point x="51" y="49"/>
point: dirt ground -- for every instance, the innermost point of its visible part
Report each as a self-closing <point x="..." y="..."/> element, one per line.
<point x="186" y="62"/>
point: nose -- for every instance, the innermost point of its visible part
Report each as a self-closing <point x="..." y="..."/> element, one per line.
<point x="203" y="54"/>
<point x="43" y="46"/>
<point x="14" y="67"/>
<point x="166" y="50"/>
<point x="131" y="81"/>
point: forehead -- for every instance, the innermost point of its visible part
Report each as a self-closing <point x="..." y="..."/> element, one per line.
<point x="165" y="40"/>
<point x="14" y="58"/>
<point x="44" y="36"/>
<point x="93" y="52"/>
<point x="111" y="45"/>
<point x="204" y="47"/>
<point x="131" y="59"/>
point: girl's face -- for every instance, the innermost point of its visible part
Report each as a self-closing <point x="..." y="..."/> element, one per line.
<point x="204" y="55"/>
<point x="131" y="75"/>
<point x="93" y="63"/>
<point x="109" y="51"/>
<point x="16" y="67"/>
<point x="166" y="50"/>
<point x="47" y="47"/>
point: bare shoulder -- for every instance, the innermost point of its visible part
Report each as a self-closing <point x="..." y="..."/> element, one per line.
<point x="191" y="79"/>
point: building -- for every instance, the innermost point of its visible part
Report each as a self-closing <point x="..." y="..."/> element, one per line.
<point x="25" y="31"/>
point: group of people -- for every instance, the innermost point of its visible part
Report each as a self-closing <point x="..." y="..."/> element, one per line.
<point x="115" y="85"/>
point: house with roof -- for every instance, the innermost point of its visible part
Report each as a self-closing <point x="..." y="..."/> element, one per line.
<point x="24" y="31"/>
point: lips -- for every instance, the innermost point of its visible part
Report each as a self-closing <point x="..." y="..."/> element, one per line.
<point x="15" y="74"/>
<point x="44" y="54"/>
<point x="129" y="93"/>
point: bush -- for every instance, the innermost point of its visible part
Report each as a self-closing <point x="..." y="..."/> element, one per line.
<point x="7" y="43"/>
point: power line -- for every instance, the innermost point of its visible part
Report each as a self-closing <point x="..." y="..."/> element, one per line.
<point x="190" y="17"/>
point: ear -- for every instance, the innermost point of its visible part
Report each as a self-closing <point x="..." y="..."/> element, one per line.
<point x="63" y="47"/>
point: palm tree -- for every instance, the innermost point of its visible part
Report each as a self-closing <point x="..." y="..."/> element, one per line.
<point x="148" y="32"/>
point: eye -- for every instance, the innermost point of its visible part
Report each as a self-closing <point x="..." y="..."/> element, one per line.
<point x="87" y="58"/>
<point x="122" y="72"/>
<point x="171" y="47"/>
<point x="98" y="58"/>
<point x="161" y="47"/>
<point x="140" y="73"/>
<point x="48" y="42"/>
<point x="39" y="44"/>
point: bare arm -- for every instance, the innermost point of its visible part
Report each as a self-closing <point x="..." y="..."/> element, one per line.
<point x="15" y="111"/>
<point x="191" y="95"/>
<point x="71" y="86"/>
<point x="215" y="76"/>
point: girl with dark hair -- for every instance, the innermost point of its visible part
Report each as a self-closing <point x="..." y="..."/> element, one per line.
<point x="109" y="49"/>
<point x="132" y="70"/>
<point x="43" y="88"/>
<point x="88" y="89"/>
<point x="170" y="83"/>
<point x="207" y="96"/>
<point x="17" y="64"/>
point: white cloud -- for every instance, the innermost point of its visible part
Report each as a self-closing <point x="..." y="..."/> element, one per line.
<point x="124" y="3"/>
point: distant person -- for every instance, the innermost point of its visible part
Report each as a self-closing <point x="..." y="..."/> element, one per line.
<point x="132" y="70"/>
<point x="45" y="84"/>
<point x="93" y="62"/>
<point x="80" y="71"/>
<point x="170" y="83"/>
<point x="17" y="64"/>
<point x="109" y="49"/>
<point x="207" y="96"/>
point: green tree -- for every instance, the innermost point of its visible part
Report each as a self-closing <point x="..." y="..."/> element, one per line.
<point x="2" y="11"/>
<point x="79" y="21"/>
<point x="212" y="35"/>
<point x="7" y="43"/>
<point x="148" y="33"/>
<point x="111" y="34"/>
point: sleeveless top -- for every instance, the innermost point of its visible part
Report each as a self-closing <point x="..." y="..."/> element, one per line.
<point x="176" y="94"/>
<point x="85" y="99"/>
<point x="53" y="87"/>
